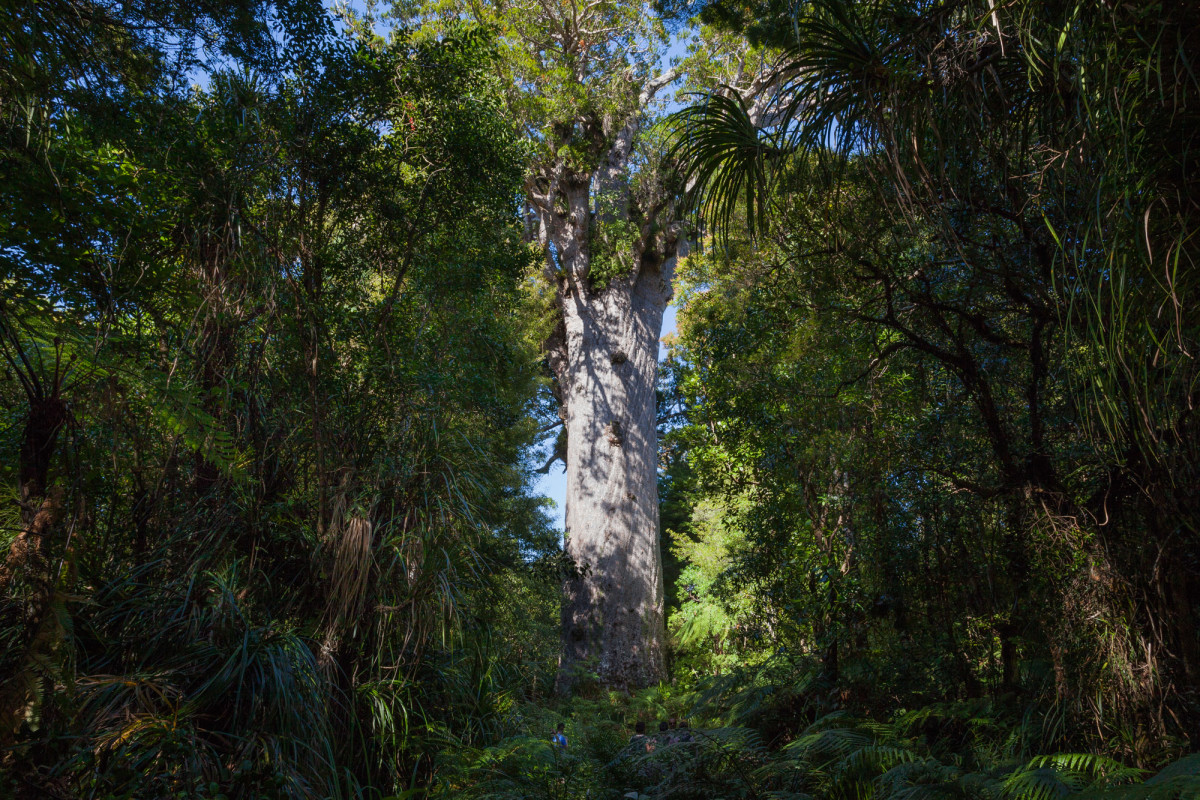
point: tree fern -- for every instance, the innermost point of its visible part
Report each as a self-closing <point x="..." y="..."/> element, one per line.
<point x="1179" y="780"/>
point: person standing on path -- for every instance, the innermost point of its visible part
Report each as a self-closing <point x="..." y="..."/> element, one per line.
<point x="639" y="741"/>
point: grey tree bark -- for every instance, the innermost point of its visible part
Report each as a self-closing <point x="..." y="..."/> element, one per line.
<point x="604" y="354"/>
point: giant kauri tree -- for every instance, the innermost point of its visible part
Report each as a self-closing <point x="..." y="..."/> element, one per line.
<point x="581" y="77"/>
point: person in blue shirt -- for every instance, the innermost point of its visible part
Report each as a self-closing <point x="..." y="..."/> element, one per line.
<point x="560" y="735"/>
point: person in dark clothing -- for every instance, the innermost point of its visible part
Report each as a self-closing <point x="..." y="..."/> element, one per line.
<point x="639" y="738"/>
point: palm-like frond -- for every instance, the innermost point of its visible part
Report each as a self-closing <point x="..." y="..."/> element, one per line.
<point x="726" y="158"/>
<point x="837" y="76"/>
<point x="194" y="682"/>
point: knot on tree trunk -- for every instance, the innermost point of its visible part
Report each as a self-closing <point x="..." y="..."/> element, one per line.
<point x="614" y="433"/>
<point x="619" y="357"/>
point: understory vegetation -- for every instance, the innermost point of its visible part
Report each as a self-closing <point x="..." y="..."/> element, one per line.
<point x="275" y="393"/>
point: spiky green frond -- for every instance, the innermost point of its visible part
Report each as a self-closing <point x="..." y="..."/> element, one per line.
<point x="727" y="159"/>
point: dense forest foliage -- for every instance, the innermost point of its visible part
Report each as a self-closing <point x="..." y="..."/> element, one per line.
<point x="281" y="314"/>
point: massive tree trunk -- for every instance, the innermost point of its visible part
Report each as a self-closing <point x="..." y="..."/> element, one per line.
<point x="604" y="354"/>
<point x="613" y="606"/>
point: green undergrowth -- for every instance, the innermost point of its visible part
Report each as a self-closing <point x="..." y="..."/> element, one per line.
<point x="755" y="740"/>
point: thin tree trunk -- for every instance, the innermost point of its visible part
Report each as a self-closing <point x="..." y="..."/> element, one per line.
<point x="47" y="416"/>
<point x="29" y="554"/>
<point x="40" y="634"/>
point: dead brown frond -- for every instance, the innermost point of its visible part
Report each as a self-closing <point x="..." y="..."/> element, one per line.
<point x="350" y="577"/>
